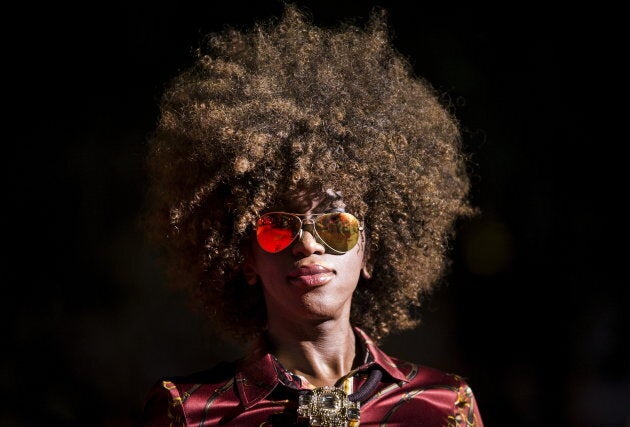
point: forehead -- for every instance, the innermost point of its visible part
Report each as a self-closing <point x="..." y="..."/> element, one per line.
<point x="303" y="200"/>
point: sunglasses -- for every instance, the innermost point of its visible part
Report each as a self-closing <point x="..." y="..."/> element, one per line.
<point x="338" y="231"/>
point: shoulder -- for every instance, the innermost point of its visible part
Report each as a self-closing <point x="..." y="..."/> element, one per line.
<point x="169" y="397"/>
<point x="445" y="397"/>
<point x="421" y="375"/>
<point x="182" y="385"/>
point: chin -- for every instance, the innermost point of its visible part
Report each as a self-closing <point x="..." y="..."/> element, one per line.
<point x="322" y="308"/>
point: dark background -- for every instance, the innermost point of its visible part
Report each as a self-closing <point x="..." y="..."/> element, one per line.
<point x="533" y="314"/>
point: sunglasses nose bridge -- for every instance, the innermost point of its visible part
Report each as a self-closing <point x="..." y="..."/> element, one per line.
<point x="308" y="225"/>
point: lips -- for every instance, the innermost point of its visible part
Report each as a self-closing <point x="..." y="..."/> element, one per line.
<point x="311" y="275"/>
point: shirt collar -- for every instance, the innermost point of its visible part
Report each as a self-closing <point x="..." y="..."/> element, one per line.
<point x="258" y="374"/>
<point x="375" y="355"/>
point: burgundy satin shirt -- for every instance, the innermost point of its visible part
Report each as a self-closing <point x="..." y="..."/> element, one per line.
<point x="258" y="391"/>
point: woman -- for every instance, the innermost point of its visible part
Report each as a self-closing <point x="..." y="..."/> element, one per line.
<point x="304" y="187"/>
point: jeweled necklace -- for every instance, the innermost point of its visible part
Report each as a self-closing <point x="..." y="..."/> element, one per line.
<point x="332" y="407"/>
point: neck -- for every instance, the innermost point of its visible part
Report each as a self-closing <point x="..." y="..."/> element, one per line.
<point x="321" y="353"/>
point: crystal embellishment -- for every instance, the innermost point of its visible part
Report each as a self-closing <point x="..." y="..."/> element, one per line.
<point x="329" y="402"/>
<point x="328" y="407"/>
<point x="353" y="414"/>
<point x="305" y="399"/>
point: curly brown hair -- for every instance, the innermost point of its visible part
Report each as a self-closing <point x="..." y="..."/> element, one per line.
<point x="266" y="111"/>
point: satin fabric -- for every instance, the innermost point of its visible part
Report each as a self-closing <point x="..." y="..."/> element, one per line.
<point x="258" y="391"/>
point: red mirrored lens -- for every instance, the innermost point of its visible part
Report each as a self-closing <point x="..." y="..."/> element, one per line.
<point x="276" y="231"/>
<point x="339" y="230"/>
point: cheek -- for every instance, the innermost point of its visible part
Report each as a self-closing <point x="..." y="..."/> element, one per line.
<point x="270" y="265"/>
<point x="352" y="263"/>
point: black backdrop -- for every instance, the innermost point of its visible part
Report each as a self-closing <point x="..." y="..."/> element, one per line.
<point x="533" y="313"/>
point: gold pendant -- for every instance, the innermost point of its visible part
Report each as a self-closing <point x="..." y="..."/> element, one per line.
<point x="328" y="407"/>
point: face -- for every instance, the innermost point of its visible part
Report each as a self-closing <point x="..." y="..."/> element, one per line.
<point x="305" y="281"/>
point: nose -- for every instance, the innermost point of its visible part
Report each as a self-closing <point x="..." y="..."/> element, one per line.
<point x="306" y="244"/>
